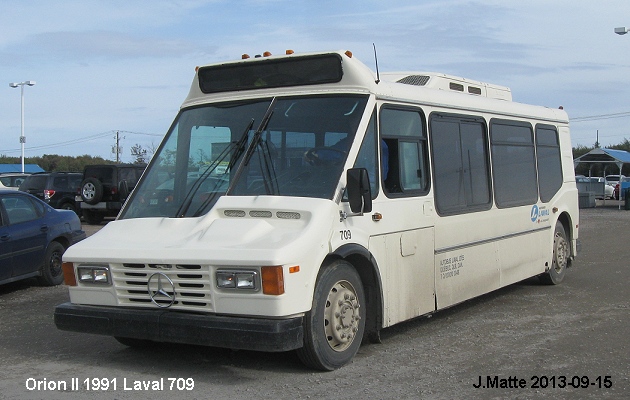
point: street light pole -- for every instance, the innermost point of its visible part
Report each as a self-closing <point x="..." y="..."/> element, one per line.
<point x="621" y="31"/>
<point x="22" y="137"/>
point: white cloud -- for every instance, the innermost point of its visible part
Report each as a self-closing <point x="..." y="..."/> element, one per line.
<point x="107" y="65"/>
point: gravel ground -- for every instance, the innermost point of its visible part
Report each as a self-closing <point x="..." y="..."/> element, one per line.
<point x="547" y="334"/>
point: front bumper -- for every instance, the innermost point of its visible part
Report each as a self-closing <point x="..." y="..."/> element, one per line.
<point x="159" y="325"/>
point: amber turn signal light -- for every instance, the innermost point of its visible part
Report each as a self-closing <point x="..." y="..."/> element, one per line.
<point x="69" y="278"/>
<point x="272" y="280"/>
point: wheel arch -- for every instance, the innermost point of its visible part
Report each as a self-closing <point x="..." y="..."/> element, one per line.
<point x="62" y="240"/>
<point x="567" y="223"/>
<point x="366" y="266"/>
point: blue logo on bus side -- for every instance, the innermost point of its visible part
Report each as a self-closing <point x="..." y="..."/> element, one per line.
<point x="534" y="213"/>
<point x="539" y="214"/>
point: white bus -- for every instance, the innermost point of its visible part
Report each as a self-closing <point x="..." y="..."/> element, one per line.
<point x="299" y="202"/>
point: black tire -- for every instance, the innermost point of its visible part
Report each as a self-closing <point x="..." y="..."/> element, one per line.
<point x="51" y="272"/>
<point x="91" y="190"/>
<point x="92" y="218"/>
<point x="333" y="329"/>
<point x="560" y="257"/>
<point x="133" y="342"/>
<point x="67" y="206"/>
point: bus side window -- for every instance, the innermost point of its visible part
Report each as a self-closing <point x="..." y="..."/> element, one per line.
<point x="391" y="179"/>
<point x="403" y="152"/>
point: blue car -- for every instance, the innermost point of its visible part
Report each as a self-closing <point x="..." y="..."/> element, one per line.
<point x="33" y="237"/>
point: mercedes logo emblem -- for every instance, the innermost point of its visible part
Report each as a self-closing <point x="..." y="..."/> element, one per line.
<point x="161" y="290"/>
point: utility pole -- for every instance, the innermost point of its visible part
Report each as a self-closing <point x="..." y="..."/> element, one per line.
<point x="117" y="149"/>
<point x="597" y="140"/>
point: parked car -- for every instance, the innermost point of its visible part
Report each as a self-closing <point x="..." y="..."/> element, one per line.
<point x="624" y="184"/>
<point x="612" y="180"/>
<point x="58" y="189"/>
<point x="12" y="181"/>
<point x="33" y="237"/>
<point x="104" y="189"/>
<point x="608" y="189"/>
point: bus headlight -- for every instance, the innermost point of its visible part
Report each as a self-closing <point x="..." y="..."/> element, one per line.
<point x="232" y="279"/>
<point x="94" y="274"/>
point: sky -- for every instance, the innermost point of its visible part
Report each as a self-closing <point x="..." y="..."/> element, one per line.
<point x="108" y="67"/>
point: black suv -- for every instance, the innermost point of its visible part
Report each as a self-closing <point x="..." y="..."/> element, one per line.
<point x="56" y="188"/>
<point x="104" y="189"/>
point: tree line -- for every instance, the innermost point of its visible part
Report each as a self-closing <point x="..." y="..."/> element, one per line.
<point x="598" y="169"/>
<point x="56" y="163"/>
<point x="53" y="162"/>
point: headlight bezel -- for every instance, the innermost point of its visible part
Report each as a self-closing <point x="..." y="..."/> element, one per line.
<point x="242" y="280"/>
<point x="94" y="275"/>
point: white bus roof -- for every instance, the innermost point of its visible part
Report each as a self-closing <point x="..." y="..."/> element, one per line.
<point x="418" y="87"/>
<point x="441" y="81"/>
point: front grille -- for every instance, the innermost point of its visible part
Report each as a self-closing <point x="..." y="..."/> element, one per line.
<point x="192" y="285"/>
<point x="260" y="214"/>
<point x="234" y="213"/>
<point x="288" y="215"/>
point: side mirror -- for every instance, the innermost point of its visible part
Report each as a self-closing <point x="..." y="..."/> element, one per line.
<point x="359" y="192"/>
<point x="123" y="190"/>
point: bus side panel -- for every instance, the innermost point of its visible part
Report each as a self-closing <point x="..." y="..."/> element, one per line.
<point x="566" y="149"/>
<point x="522" y="257"/>
<point x="408" y="276"/>
<point x="464" y="273"/>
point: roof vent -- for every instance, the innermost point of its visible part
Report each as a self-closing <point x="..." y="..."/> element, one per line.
<point x="416" y="80"/>
<point x="456" y="86"/>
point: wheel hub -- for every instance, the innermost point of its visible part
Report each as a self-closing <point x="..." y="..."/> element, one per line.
<point x="341" y="316"/>
<point x="562" y="252"/>
<point x="55" y="264"/>
<point x="89" y="190"/>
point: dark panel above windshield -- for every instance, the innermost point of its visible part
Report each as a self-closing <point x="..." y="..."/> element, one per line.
<point x="270" y="73"/>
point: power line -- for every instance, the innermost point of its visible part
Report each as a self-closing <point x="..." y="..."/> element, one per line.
<point x="601" y="116"/>
<point x="74" y="141"/>
<point x="142" y="133"/>
<point x="59" y="144"/>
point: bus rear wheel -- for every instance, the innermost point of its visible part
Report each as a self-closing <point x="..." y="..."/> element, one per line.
<point x="560" y="257"/>
<point x="335" y="325"/>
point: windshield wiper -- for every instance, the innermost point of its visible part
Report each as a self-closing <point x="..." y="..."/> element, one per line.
<point x="181" y="212"/>
<point x="239" y="148"/>
<point x="240" y="145"/>
<point x="268" y="169"/>
<point x="256" y="140"/>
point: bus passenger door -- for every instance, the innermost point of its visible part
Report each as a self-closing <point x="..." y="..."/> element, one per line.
<point x="403" y="239"/>
<point x="405" y="261"/>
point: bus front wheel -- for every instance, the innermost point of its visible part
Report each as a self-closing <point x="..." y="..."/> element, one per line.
<point x="560" y="257"/>
<point x="334" y="327"/>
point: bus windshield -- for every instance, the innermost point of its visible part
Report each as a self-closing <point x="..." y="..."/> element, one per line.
<point x="291" y="146"/>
